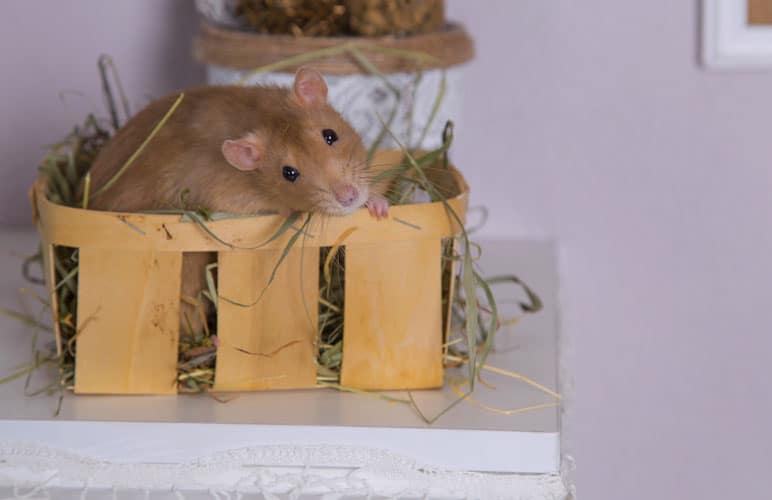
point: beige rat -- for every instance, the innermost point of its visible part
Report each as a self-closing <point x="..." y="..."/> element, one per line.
<point x="239" y="150"/>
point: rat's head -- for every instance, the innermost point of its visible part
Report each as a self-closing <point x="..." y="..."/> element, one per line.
<point x="307" y="157"/>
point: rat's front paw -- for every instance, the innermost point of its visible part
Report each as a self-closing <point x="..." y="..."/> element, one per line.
<point x="378" y="206"/>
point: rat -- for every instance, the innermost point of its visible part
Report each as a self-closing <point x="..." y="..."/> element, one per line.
<point x="239" y="150"/>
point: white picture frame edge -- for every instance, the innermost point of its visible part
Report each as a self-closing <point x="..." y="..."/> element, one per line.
<point x="728" y="43"/>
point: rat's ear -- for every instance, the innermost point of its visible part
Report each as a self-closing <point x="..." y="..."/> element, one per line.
<point x="244" y="153"/>
<point x="309" y="87"/>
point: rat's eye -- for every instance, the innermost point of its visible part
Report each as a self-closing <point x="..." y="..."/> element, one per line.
<point x="329" y="136"/>
<point x="290" y="173"/>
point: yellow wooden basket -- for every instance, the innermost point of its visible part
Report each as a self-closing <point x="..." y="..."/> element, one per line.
<point x="129" y="279"/>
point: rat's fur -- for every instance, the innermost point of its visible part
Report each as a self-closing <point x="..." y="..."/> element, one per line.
<point x="186" y="156"/>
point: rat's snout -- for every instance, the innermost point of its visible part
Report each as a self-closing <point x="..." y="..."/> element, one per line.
<point x="346" y="194"/>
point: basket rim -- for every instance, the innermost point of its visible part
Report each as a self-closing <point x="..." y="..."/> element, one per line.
<point x="239" y="49"/>
<point x="131" y="231"/>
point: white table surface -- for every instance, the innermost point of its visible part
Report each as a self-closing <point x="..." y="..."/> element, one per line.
<point x="159" y="428"/>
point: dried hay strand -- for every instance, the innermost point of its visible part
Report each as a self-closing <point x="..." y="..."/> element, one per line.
<point x="331" y="18"/>
<point x="447" y="47"/>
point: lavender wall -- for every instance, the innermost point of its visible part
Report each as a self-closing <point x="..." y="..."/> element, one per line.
<point x="590" y="121"/>
<point x="49" y="79"/>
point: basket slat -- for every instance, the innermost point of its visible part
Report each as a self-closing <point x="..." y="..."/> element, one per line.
<point x="393" y="316"/>
<point x="270" y="344"/>
<point x="128" y="322"/>
<point x="89" y="228"/>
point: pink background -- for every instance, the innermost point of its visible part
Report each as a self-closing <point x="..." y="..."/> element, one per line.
<point x="589" y="121"/>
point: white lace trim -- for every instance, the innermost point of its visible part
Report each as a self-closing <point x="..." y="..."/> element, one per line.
<point x="270" y="470"/>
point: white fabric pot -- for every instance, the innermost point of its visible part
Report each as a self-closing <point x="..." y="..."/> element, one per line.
<point x="362" y="98"/>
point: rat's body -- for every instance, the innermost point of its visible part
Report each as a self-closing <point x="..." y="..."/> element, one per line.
<point x="240" y="150"/>
<point x="185" y="156"/>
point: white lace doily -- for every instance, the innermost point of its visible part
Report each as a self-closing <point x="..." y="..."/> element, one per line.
<point x="290" y="470"/>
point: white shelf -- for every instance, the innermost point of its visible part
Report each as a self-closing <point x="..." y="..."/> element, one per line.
<point x="159" y="428"/>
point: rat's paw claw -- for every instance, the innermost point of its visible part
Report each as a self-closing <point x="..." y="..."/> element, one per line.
<point x="378" y="206"/>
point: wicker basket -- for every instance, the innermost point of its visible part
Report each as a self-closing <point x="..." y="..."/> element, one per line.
<point x="129" y="295"/>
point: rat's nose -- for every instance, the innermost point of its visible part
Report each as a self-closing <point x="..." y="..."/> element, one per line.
<point x="346" y="194"/>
